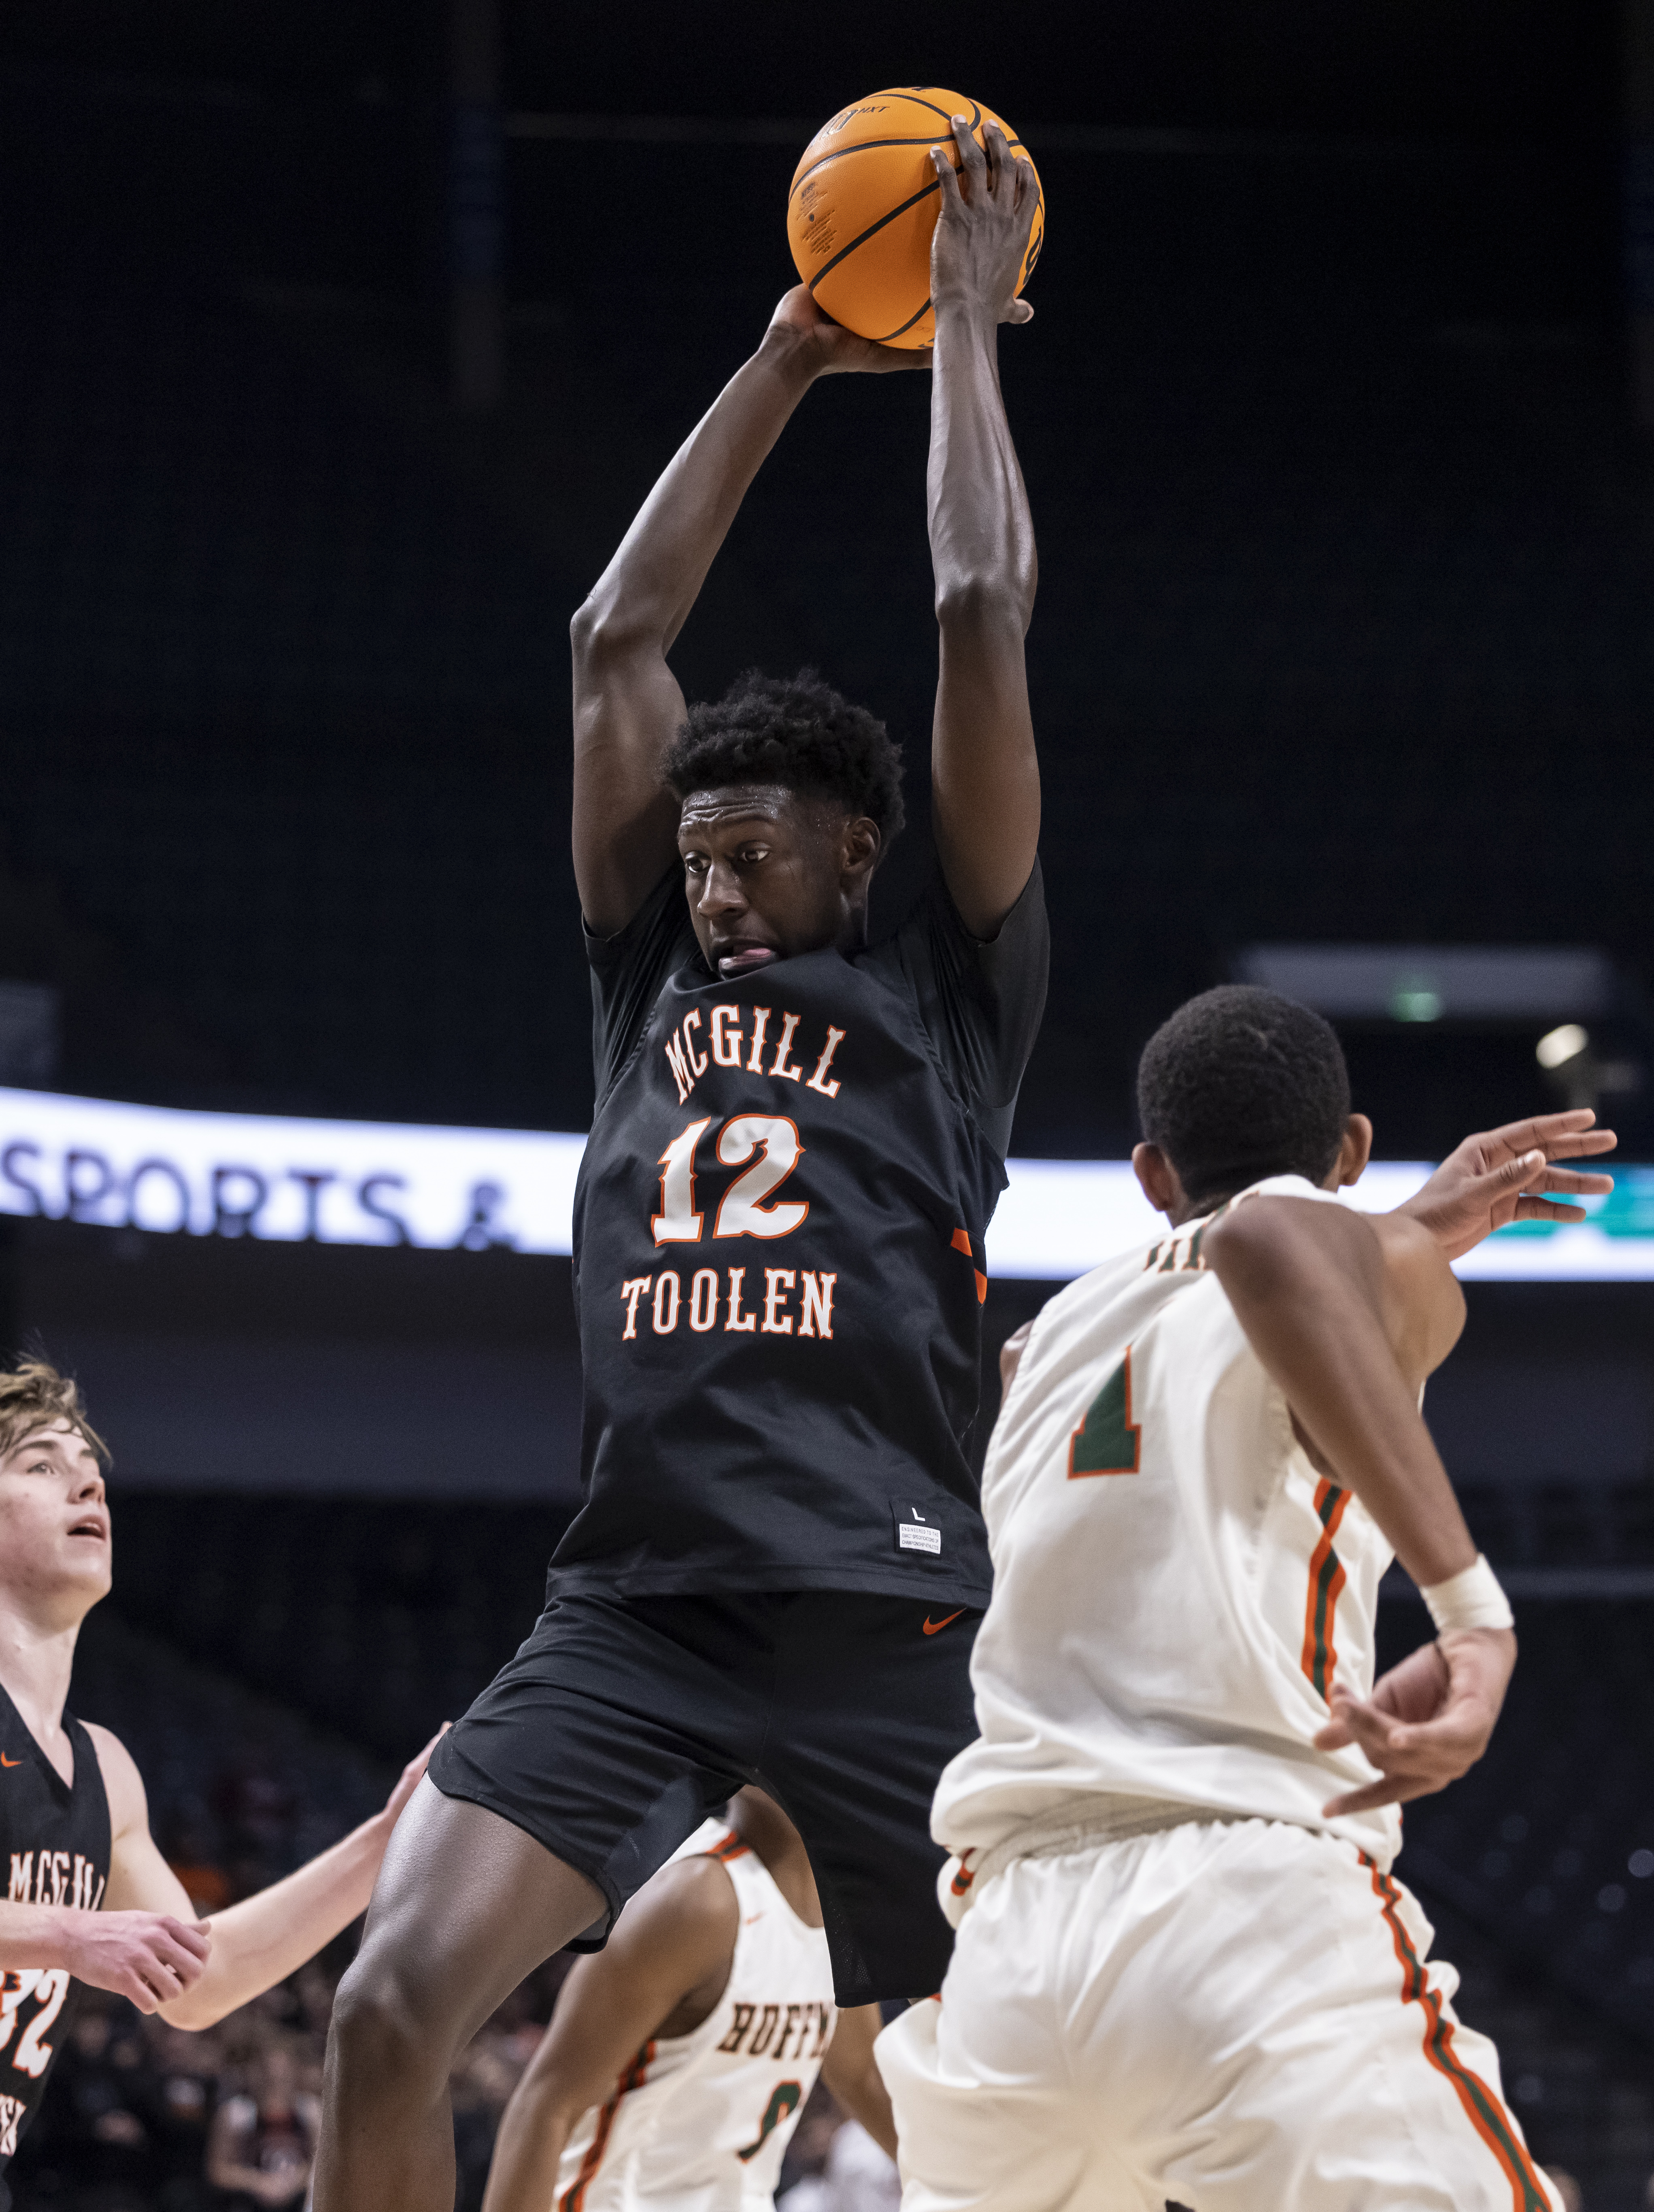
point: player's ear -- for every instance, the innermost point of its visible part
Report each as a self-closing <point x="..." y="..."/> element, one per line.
<point x="1162" y="1185"/>
<point x="1353" y="1152"/>
<point x="860" y="849"/>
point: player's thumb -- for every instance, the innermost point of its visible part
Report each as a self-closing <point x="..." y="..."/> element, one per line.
<point x="1514" y="1173"/>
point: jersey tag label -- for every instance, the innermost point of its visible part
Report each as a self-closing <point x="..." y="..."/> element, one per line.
<point x="916" y="1529"/>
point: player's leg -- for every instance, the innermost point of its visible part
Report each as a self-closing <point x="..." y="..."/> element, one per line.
<point x="576" y="1774"/>
<point x="1365" y="2087"/>
<point x="1251" y="2014"/>
<point x="982" y="2081"/>
<point x="870" y="1705"/>
<point x="465" y="1905"/>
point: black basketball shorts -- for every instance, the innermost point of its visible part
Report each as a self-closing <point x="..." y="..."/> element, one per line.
<point x="623" y="1722"/>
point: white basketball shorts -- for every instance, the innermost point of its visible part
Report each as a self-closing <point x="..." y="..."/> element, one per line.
<point x="1229" y="2017"/>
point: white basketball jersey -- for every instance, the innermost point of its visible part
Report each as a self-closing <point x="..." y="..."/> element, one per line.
<point x="699" y="2123"/>
<point x="1174" y="1586"/>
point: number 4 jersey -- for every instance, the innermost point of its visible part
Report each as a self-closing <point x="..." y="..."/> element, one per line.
<point x="778" y="1253"/>
<point x="701" y="2123"/>
<point x="54" y="1841"/>
<point x="1176" y="1588"/>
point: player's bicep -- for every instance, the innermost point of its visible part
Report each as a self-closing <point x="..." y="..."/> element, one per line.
<point x="1423" y="1305"/>
<point x="140" y="1880"/>
<point x="628" y="707"/>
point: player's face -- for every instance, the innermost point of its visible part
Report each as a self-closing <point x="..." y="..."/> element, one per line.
<point x="769" y="874"/>
<point x="54" y="1525"/>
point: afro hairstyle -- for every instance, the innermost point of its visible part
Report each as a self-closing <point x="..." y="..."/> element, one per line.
<point x="797" y="732"/>
<point x="1241" y="1084"/>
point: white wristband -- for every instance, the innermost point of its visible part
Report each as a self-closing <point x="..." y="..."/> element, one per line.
<point x="1472" y="1600"/>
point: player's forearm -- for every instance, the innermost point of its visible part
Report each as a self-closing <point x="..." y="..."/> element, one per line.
<point x="644" y="595"/>
<point x="38" y="1935"/>
<point x="522" y="2175"/>
<point x="981" y="532"/>
<point x="1314" y="1322"/>
<point x="260" y="1941"/>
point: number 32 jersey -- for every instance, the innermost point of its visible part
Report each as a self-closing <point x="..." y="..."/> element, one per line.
<point x="779" y="1255"/>
<point x="701" y="2123"/>
<point x="54" y="1846"/>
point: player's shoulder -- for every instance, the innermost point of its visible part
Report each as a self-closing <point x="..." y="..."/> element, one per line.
<point x="689" y="1893"/>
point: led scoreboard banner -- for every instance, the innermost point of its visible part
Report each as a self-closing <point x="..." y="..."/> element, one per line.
<point x="176" y="1172"/>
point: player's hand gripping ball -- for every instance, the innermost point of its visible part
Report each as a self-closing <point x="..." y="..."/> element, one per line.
<point x="864" y="204"/>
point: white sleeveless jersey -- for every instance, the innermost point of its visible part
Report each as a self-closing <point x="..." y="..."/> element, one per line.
<point x="699" y="2123"/>
<point x="1174" y="1586"/>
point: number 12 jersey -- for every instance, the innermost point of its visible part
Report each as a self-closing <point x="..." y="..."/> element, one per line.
<point x="778" y="1253"/>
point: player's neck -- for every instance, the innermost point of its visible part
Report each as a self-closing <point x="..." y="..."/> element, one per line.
<point x="37" y="1656"/>
<point x="773" y="1839"/>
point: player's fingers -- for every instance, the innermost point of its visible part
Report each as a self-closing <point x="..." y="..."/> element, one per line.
<point x="171" y="1959"/>
<point x="1542" y="1209"/>
<point x="134" y="1987"/>
<point x="1541" y="1129"/>
<point x="1394" y="1790"/>
<point x="1001" y="168"/>
<point x="1571" y="1179"/>
<point x="1373" y="1730"/>
<point x="971" y="156"/>
<point x="1336" y="1736"/>
<point x="1584" y="1147"/>
<point x="948" y="175"/>
<point x="194" y="1935"/>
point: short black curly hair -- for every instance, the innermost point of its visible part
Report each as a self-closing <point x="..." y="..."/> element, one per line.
<point x="795" y="730"/>
<point x="1241" y="1084"/>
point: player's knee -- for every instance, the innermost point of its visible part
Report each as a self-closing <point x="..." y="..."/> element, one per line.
<point x="383" y="2031"/>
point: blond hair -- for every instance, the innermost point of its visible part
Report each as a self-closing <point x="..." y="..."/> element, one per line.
<point x="34" y="1396"/>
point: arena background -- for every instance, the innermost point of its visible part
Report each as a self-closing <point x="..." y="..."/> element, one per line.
<point x="337" y="344"/>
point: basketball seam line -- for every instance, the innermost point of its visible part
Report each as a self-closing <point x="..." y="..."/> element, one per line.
<point x="901" y="327"/>
<point x="866" y="146"/>
<point x="934" y="186"/>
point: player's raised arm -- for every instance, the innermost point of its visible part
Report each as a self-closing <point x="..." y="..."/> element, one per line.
<point x="627" y="701"/>
<point x="985" y="777"/>
<point x="663" y="1969"/>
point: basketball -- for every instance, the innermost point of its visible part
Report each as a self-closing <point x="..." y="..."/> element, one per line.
<point x="863" y="206"/>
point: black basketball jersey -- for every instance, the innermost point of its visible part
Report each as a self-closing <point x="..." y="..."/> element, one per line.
<point x="54" y="1843"/>
<point x="779" y="1255"/>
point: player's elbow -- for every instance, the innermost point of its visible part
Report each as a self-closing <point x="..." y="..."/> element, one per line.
<point x="194" y="2012"/>
<point x="603" y="635"/>
<point x="979" y="601"/>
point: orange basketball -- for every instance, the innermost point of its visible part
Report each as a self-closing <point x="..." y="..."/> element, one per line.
<point x="864" y="203"/>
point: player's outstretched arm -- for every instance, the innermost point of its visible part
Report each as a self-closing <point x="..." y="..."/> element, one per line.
<point x="985" y="775"/>
<point x="1348" y="1314"/>
<point x="663" y="1968"/>
<point x="851" y="2072"/>
<point x="627" y="702"/>
<point x="257" y="1943"/>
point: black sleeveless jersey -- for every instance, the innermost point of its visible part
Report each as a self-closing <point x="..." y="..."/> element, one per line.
<point x="779" y="1255"/>
<point x="54" y="1842"/>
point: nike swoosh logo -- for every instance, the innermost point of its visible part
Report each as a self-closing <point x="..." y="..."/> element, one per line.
<point x="932" y="1626"/>
<point x="4" y="1761"/>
